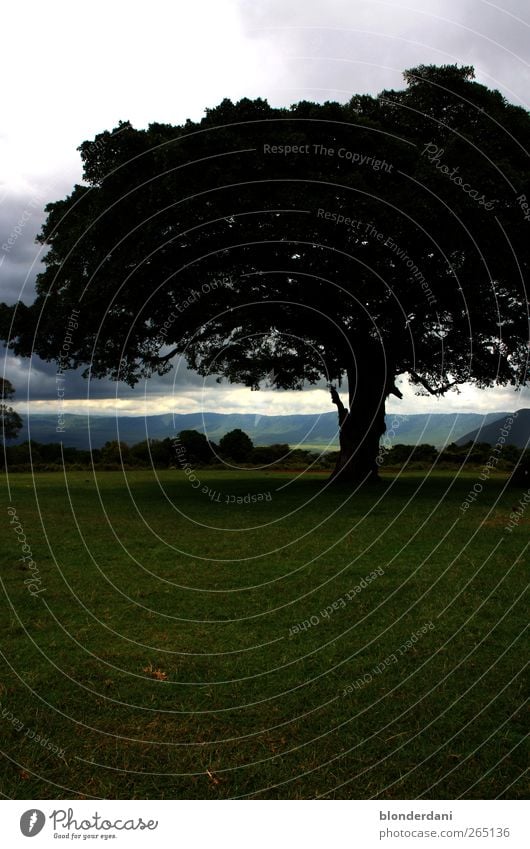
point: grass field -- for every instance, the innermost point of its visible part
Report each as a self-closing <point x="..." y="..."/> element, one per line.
<point x="156" y="645"/>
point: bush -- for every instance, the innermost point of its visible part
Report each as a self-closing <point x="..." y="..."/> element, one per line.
<point x="197" y="448"/>
<point x="237" y="446"/>
<point x="521" y="474"/>
<point x="115" y="452"/>
<point x="264" y="455"/>
<point x="152" y="452"/>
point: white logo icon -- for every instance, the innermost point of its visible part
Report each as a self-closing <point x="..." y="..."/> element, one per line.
<point x="32" y="822"/>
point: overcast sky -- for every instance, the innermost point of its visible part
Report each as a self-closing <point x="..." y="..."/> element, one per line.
<point x="72" y="69"/>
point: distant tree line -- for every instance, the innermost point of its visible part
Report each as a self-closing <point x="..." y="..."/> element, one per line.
<point x="472" y="453"/>
<point x="191" y="446"/>
<point x="236" y="450"/>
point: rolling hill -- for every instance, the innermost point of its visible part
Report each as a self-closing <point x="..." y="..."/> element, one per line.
<point x="81" y="431"/>
<point x="519" y="431"/>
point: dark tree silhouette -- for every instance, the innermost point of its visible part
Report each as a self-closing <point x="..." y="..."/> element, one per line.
<point x="10" y="421"/>
<point x="153" y="452"/>
<point x="521" y="474"/>
<point x="196" y="445"/>
<point x="236" y="445"/>
<point x="359" y="241"/>
<point x="115" y="451"/>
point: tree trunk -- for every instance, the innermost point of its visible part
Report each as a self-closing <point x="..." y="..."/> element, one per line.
<point x="361" y="426"/>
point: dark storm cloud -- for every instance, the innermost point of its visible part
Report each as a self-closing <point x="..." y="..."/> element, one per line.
<point x="35" y="380"/>
<point x="21" y="219"/>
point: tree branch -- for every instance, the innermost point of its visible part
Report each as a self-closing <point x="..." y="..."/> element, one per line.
<point x="440" y="391"/>
<point x="163" y="359"/>
<point x="342" y="411"/>
<point x="395" y="391"/>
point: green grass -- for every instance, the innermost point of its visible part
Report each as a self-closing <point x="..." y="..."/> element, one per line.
<point x="161" y="655"/>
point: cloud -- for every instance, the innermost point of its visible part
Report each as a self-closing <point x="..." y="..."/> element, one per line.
<point x="21" y="219"/>
<point x="495" y="39"/>
<point x="35" y="381"/>
<point x="184" y="391"/>
<point x="339" y="48"/>
<point x="70" y="73"/>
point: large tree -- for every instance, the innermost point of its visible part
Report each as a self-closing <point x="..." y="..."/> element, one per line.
<point x="356" y="242"/>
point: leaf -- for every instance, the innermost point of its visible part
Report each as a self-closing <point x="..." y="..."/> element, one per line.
<point x="157" y="674"/>
<point x="213" y="777"/>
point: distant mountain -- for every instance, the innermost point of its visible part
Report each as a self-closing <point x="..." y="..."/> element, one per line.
<point x="311" y="430"/>
<point x="518" y="431"/>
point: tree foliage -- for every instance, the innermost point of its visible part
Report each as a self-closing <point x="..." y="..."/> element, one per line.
<point x="383" y="236"/>
<point x="196" y="446"/>
<point x="10" y="421"/>
<point x="236" y="445"/>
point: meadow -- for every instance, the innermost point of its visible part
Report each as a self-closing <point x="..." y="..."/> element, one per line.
<point x="261" y="635"/>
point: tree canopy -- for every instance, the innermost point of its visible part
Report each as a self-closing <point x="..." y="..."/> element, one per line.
<point x="383" y="236"/>
<point x="197" y="448"/>
<point x="10" y="421"/>
<point x="237" y="445"/>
